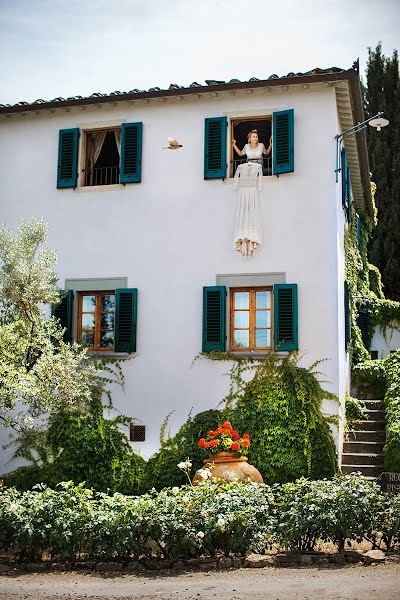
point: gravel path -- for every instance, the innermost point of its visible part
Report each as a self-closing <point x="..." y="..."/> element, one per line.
<point x="378" y="582"/>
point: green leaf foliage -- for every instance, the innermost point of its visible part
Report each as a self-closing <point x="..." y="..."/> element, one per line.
<point x="84" y="448"/>
<point x="280" y="408"/>
<point x="72" y="522"/>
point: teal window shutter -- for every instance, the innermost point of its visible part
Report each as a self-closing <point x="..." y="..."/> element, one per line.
<point x="63" y="312"/>
<point x="362" y="322"/>
<point x="67" y="169"/>
<point x="285" y="317"/>
<point x="345" y="184"/>
<point x="347" y="324"/>
<point x="131" y="153"/>
<point x="215" y="148"/>
<point x="214" y="318"/>
<point x="125" y="319"/>
<point x="283" y="141"/>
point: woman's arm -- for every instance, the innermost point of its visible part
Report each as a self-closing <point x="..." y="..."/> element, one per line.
<point x="236" y="148"/>
<point x="268" y="151"/>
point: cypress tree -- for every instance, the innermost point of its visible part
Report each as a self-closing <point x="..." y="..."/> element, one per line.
<point x="383" y="94"/>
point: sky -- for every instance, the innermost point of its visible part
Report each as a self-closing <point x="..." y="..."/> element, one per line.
<point x="51" y="48"/>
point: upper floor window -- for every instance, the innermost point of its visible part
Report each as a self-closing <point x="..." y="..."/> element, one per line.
<point x="101" y="157"/>
<point x="106" y="156"/>
<point x="251" y="141"/>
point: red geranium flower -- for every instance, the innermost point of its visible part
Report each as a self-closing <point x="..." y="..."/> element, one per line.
<point x="235" y="436"/>
<point x="210" y="432"/>
<point x="246" y="436"/>
<point x="206" y="444"/>
<point x="214" y="443"/>
<point x="246" y="443"/>
<point x="235" y="446"/>
<point x="227" y="425"/>
<point x="201" y="443"/>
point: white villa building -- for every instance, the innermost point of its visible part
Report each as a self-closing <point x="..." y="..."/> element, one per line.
<point x="145" y="234"/>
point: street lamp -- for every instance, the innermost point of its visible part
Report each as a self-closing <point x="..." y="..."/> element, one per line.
<point x="376" y="121"/>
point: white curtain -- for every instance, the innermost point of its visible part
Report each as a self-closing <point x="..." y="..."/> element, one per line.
<point x="118" y="140"/>
<point x="98" y="138"/>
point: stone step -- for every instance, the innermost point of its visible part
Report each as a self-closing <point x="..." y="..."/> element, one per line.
<point x="362" y="458"/>
<point x="374" y="404"/>
<point x="363" y="447"/>
<point x="375" y="415"/>
<point x="370" y="425"/>
<point x="373" y="471"/>
<point x="366" y="436"/>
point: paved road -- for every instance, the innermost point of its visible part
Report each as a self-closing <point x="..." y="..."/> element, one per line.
<point x="376" y="582"/>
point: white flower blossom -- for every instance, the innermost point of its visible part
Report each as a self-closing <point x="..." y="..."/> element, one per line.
<point x="204" y="473"/>
<point x="185" y="465"/>
<point x="221" y="522"/>
<point x="175" y="490"/>
<point x="185" y="499"/>
<point x="200" y="534"/>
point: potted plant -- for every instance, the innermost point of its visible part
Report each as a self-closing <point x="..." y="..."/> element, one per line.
<point x="226" y="450"/>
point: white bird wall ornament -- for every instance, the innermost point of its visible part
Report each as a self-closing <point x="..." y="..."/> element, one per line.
<point x="173" y="144"/>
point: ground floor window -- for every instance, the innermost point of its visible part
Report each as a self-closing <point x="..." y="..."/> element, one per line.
<point x="96" y="317"/>
<point x="251" y="318"/>
<point x="240" y="128"/>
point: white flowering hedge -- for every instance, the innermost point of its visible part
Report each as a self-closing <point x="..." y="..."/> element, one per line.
<point x="76" y="523"/>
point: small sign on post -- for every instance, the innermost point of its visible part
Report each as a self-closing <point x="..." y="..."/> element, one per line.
<point x="389" y="482"/>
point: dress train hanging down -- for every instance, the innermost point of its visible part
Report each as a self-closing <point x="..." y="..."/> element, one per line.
<point x="248" y="230"/>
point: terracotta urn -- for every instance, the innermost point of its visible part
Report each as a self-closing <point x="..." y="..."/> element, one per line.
<point x="227" y="466"/>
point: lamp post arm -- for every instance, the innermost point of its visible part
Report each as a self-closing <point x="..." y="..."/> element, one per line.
<point x="341" y="136"/>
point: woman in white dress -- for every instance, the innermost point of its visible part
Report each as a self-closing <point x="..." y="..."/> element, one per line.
<point x="253" y="150"/>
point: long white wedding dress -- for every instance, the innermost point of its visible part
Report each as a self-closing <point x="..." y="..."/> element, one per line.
<point x="248" y="229"/>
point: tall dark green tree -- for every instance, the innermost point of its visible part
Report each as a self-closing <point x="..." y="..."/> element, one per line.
<point x="383" y="94"/>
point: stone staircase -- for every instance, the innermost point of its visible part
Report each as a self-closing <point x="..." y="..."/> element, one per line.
<point x="363" y="450"/>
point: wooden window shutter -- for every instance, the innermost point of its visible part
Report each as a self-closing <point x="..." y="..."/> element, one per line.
<point x="214" y="318"/>
<point x="131" y="153"/>
<point x="283" y="141"/>
<point x="347" y="323"/>
<point x="285" y="317"/>
<point x="215" y="148"/>
<point x="67" y="169"/>
<point x="63" y="312"/>
<point x="362" y="322"/>
<point x="125" y="319"/>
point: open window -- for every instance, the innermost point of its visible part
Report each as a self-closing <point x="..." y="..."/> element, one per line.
<point x="102" y="157"/>
<point x="240" y="129"/>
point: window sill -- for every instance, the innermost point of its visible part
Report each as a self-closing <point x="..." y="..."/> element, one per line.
<point x="102" y="354"/>
<point x="99" y="188"/>
<point x="256" y="354"/>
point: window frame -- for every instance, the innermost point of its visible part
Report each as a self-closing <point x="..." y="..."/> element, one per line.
<point x="97" y="320"/>
<point x="252" y="318"/>
<point x="85" y="156"/>
<point x="233" y="121"/>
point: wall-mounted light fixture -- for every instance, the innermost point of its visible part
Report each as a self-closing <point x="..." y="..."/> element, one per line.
<point x="376" y="121"/>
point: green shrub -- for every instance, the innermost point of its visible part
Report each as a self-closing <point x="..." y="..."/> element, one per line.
<point x="84" y="448"/>
<point x="73" y="522"/>
<point x="355" y="410"/>
<point x="161" y="469"/>
<point x="392" y="413"/>
<point x="344" y="508"/>
<point x="280" y="408"/>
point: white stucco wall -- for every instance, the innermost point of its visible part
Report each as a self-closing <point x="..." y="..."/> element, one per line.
<point x="172" y="234"/>
<point x="386" y="341"/>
